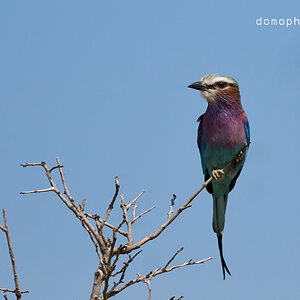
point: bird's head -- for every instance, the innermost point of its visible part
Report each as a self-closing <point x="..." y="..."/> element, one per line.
<point x="217" y="88"/>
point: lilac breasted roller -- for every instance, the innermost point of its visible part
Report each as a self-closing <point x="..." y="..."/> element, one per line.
<point x="223" y="131"/>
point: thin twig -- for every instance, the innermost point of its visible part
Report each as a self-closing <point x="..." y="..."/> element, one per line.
<point x="156" y="272"/>
<point x="111" y="205"/>
<point x="38" y="191"/>
<point x="82" y="205"/>
<point x="66" y="190"/>
<point x="141" y="214"/>
<point x="135" y="199"/>
<point x="122" y="271"/>
<point x="173" y="257"/>
<point x="32" y="164"/>
<point x="16" y="291"/>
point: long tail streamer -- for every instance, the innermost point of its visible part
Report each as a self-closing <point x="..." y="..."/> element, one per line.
<point x="224" y="266"/>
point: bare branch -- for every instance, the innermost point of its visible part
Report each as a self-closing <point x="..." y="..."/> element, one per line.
<point x="82" y="205"/>
<point x="105" y="248"/>
<point x="126" y="264"/>
<point x="55" y="167"/>
<point x="141" y="214"/>
<point x="170" y="211"/>
<point x="173" y="257"/>
<point x="122" y="271"/>
<point x="111" y="267"/>
<point x="97" y="218"/>
<point x="134" y="210"/>
<point x="189" y="263"/>
<point x="156" y="272"/>
<point x="124" y="207"/>
<point x="135" y="199"/>
<point x="66" y="190"/>
<point x="69" y="201"/>
<point x="16" y="291"/>
<point x="147" y="282"/>
<point x="13" y="291"/>
<point x="149" y="287"/>
<point x="98" y="279"/>
<point x="170" y="219"/>
<point x="111" y="205"/>
<point x="38" y="191"/>
<point x="33" y="164"/>
<point x="107" y="251"/>
<point x="92" y="239"/>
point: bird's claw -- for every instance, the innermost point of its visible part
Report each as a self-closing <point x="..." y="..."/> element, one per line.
<point x="217" y="174"/>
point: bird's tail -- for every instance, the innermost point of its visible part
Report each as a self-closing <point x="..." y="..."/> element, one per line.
<point x="224" y="266"/>
<point x="220" y="204"/>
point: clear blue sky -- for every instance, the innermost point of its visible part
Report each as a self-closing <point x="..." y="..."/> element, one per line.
<point x="103" y="85"/>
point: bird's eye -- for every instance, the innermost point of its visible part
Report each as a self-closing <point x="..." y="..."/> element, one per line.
<point x="222" y="84"/>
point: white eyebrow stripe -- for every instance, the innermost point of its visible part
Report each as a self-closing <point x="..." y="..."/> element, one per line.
<point x="211" y="80"/>
<point x="220" y="78"/>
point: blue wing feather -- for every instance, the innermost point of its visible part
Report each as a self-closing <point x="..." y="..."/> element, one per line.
<point x="247" y="130"/>
<point x="201" y="143"/>
<point x="202" y="148"/>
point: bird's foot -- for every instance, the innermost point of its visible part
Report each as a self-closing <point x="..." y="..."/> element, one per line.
<point x="217" y="174"/>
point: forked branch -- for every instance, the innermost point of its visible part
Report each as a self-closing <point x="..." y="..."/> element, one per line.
<point x="109" y="277"/>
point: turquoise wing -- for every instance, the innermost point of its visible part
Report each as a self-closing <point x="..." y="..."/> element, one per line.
<point x="202" y="147"/>
<point x="247" y="131"/>
<point x="201" y="143"/>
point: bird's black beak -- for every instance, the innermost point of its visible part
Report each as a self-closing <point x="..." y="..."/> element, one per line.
<point x="198" y="86"/>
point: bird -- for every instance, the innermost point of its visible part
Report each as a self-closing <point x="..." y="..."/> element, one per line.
<point x="223" y="140"/>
